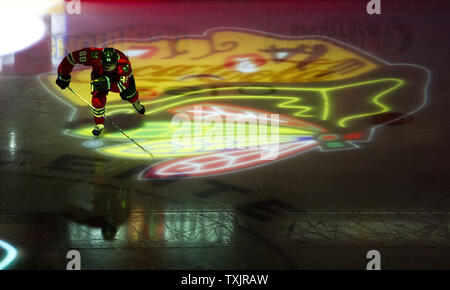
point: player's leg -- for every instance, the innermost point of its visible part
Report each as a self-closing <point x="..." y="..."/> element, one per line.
<point x="99" y="89"/>
<point x="131" y="95"/>
<point x="100" y="85"/>
<point x="98" y="102"/>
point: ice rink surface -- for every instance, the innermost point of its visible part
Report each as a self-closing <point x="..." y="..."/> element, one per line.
<point x="363" y="104"/>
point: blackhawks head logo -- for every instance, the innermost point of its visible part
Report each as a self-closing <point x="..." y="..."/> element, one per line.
<point x="328" y="96"/>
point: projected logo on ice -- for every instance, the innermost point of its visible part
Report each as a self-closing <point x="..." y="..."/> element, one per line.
<point x="329" y="96"/>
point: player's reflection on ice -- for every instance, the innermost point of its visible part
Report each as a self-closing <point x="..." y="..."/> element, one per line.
<point x="97" y="205"/>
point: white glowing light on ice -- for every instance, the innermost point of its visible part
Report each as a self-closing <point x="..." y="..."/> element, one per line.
<point x="281" y="55"/>
<point x="135" y="52"/>
<point x="21" y="23"/>
<point x="245" y="65"/>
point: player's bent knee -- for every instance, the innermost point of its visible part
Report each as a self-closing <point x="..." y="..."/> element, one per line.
<point x="129" y="93"/>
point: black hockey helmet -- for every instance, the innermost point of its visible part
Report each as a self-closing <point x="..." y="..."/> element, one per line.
<point x="109" y="57"/>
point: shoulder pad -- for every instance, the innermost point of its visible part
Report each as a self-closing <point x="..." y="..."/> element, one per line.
<point x="124" y="69"/>
<point x="123" y="60"/>
<point x="95" y="54"/>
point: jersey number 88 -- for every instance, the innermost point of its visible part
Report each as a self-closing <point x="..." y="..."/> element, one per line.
<point x="83" y="56"/>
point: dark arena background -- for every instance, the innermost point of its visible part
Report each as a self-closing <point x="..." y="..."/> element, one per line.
<point x="356" y="104"/>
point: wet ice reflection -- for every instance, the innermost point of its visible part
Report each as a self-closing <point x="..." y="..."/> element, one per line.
<point x="155" y="229"/>
<point x="12" y="143"/>
<point x="198" y="228"/>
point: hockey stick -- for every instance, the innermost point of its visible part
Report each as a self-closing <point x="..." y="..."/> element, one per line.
<point x="121" y="131"/>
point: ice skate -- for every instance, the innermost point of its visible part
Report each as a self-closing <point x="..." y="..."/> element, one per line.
<point x="138" y="106"/>
<point x="98" y="129"/>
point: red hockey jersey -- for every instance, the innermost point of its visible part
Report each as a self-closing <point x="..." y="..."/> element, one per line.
<point x="91" y="56"/>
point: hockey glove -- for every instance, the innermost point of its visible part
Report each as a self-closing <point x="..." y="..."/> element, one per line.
<point x="63" y="82"/>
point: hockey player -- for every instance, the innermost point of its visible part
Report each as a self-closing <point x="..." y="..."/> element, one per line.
<point x="111" y="71"/>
